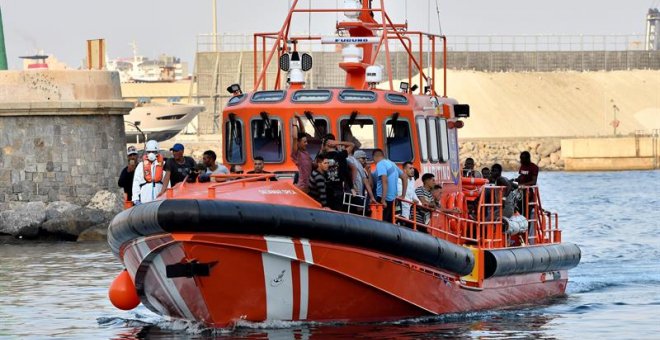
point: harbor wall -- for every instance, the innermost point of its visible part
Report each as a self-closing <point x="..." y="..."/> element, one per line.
<point x="614" y="153"/>
<point x="569" y="154"/>
<point x="62" y="135"/>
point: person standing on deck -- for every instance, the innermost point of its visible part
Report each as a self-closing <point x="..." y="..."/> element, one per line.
<point x="528" y="171"/>
<point x="527" y="175"/>
<point x="126" y="177"/>
<point x="149" y="175"/>
<point x="387" y="174"/>
<point x="179" y="166"/>
<point x="409" y="172"/>
<point x="338" y="173"/>
<point x="361" y="176"/>
<point x="468" y="168"/>
<point x="212" y="167"/>
<point x="318" y="179"/>
<point x="301" y="157"/>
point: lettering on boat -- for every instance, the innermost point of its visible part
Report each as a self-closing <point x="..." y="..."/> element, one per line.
<point x="550" y="276"/>
<point x="277" y="192"/>
<point x="440" y="171"/>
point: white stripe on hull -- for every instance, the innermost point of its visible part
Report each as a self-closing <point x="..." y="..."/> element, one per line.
<point x="304" y="278"/>
<point x="277" y="277"/>
<point x="166" y="283"/>
<point x="307" y="250"/>
<point x="304" y="290"/>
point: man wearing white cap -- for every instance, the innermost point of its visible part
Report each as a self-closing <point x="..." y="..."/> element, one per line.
<point x="149" y="175"/>
<point x="126" y="178"/>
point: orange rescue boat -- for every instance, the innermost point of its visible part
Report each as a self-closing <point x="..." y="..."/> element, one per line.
<point x="246" y="247"/>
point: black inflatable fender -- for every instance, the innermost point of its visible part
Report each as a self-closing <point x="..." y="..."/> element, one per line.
<point x="530" y="259"/>
<point x="235" y="217"/>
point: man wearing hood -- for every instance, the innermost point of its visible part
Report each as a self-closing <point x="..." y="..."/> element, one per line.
<point x="150" y="175"/>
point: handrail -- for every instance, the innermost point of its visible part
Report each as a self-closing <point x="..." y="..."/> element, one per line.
<point x="244" y="178"/>
<point x="485" y="229"/>
<point x="413" y="212"/>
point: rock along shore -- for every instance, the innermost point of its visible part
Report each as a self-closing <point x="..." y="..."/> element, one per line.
<point x="545" y="152"/>
<point x="60" y="220"/>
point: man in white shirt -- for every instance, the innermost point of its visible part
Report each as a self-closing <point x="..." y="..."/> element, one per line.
<point x="212" y="167"/>
<point x="409" y="173"/>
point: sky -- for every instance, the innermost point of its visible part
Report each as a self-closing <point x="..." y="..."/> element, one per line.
<point x="61" y="27"/>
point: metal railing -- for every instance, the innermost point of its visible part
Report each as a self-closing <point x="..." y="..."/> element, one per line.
<point x="547" y="43"/>
<point x="455" y="43"/>
<point x="479" y="221"/>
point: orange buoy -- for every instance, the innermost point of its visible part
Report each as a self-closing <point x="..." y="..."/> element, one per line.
<point x="122" y="292"/>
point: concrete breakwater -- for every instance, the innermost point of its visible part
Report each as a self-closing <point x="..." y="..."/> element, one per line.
<point x="569" y="154"/>
<point x="62" y="146"/>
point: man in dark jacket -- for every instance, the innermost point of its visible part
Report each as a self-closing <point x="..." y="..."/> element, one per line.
<point x="179" y="166"/>
<point x="126" y="177"/>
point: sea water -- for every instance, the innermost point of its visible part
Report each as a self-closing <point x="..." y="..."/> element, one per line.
<point x="59" y="290"/>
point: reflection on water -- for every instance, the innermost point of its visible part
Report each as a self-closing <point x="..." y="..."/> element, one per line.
<point x="500" y="324"/>
<point x="59" y="290"/>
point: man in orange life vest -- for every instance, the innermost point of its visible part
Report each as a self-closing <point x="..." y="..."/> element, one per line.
<point x="149" y="175"/>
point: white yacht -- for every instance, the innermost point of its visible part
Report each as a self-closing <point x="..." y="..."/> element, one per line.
<point x="140" y="69"/>
<point x="158" y="121"/>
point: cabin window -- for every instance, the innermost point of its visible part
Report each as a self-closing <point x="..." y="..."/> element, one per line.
<point x="357" y="96"/>
<point x="423" y="139"/>
<point x="234" y="141"/>
<point x="360" y="131"/>
<point x="398" y="140"/>
<point x="311" y="96"/>
<point x="444" y="140"/>
<point x="433" y="139"/>
<point x="314" y="134"/>
<point x="396" y="98"/>
<point x="236" y="99"/>
<point x="267" y="139"/>
<point x="268" y="96"/>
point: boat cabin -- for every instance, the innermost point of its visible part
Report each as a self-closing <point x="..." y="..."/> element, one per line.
<point x="407" y="127"/>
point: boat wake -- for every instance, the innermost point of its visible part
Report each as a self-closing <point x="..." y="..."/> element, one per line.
<point x="148" y="322"/>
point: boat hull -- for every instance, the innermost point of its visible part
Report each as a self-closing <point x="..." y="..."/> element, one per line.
<point x="261" y="278"/>
<point x="159" y="121"/>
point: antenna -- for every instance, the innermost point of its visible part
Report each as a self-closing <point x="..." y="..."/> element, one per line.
<point x="437" y="10"/>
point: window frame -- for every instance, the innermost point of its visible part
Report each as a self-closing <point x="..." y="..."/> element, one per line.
<point x="283" y="92"/>
<point x="389" y="99"/>
<point x="443" y="142"/>
<point x="386" y="146"/>
<point x="241" y="97"/>
<point x="424" y="154"/>
<point x="323" y="118"/>
<point x="282" y="141"/>
<point x="368" y="117"/>
<point x="243" y="149"/>
<point x="431" y="123"/>
<point x="375" y="96"/>
<point x="292" y="98"/>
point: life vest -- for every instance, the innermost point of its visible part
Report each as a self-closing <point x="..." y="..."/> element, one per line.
<point x="159" y="169"/>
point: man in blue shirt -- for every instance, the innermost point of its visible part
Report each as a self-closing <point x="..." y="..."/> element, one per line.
<point x="387" y="175"/>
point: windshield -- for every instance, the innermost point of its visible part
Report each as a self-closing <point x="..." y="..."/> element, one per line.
<point x="399" y="143"/>
<point x="234" y="141"/>
<point x="360" y="131"/>
<point x="267" y="139"/>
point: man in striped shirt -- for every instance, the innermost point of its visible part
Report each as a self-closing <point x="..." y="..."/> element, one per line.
<point x="426" y="197"/>
<point x="317" y="180"/>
